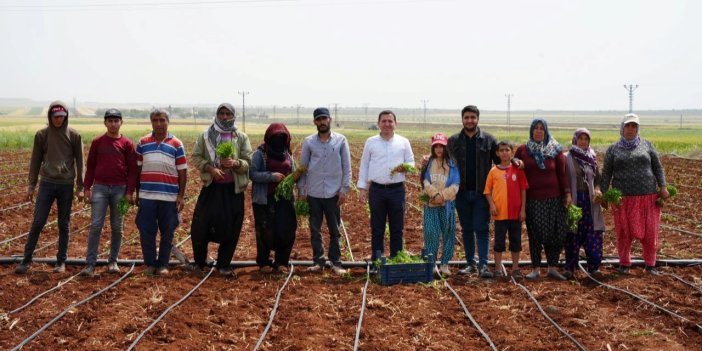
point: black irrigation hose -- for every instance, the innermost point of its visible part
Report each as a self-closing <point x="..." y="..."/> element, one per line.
<point x="71" y="307"/>
<point x="275" y="308"/>
<point x="158" y="319"/>
<point x="35" y="298"/>
<point x="470" y="316"/>
<point x="680" y="230"/>
<point x="641" y="298"/>
<point x="357" y="339"/>
<point x="676" y="277"/>
<point x="554" y="323"/>
<point x="27" y="233"/>
<point x="15" y="206"/>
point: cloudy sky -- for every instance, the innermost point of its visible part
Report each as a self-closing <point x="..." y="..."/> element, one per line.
<point x="553" y="55"/>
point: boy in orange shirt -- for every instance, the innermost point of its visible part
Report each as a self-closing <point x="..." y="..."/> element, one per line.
<point x="505" y="190"/>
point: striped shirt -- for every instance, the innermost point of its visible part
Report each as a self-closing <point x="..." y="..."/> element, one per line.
<point x="160" y="163"/>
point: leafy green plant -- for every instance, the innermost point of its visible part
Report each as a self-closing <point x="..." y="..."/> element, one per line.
<point x="672" y="191"/>
<point x="575" y="213"/>
<point x="407" y="167"/>
<point x="286" y="186"/>
<point x="225" y="150"/>
<point x="424" y="197"/>
<point x="302" y="208"/>
<point x="123" y="206"/>
<point x="613" y="196"/>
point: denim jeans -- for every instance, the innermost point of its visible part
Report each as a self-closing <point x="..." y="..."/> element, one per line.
<point x="48" y="192"/>
<point x="103" y="196"/>
<point x="386" y="204"/>
<point x="155" y="216"/>
<point x="328" y="208"/>
<point x="474" y="216"/>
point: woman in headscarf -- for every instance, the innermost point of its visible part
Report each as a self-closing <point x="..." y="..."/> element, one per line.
<point x="632" y="166"/>
<point x="585" y="178"/>
<point x="548" y="197"/>
<point x="274" y="219"/>
<point x="219" y="212"/>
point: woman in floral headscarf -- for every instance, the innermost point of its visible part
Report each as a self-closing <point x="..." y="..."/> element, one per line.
<point x="632" y="166"/>
<point x="581" y="166"/>
<point x="547" y="197"/>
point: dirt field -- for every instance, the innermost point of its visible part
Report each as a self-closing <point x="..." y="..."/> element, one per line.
<point x="320" y="311"/>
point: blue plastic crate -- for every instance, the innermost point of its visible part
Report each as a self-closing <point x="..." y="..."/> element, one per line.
<point x="406" y="273"/>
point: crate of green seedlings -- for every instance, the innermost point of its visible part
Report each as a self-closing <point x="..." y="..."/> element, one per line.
<point x="405" y="268"/>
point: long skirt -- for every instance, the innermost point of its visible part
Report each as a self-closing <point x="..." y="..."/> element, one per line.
<point x="275" y="224"/>
<point x="638" y="218"/>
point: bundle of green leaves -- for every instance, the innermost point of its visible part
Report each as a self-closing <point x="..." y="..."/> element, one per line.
<point x="123" y="206"/>
<point x="407" y="167"/>
<point x="575" y="213"/>
<point x="672" y="191"/>
<point x="302" y="208"/>
<point x="424" y="197"/>
<point x="225" y="150"/>
<point x="613" y="196"/>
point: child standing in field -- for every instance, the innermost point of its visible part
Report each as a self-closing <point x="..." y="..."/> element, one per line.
<point x="505" y="190"/>
<point x="440" y="180"/>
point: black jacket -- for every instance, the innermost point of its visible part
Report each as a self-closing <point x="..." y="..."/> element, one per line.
<point x="486" y="148"/>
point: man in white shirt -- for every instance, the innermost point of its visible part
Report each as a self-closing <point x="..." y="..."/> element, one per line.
<point x="381" y="181"/>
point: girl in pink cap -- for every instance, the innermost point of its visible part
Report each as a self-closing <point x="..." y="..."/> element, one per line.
<point x="440" y="180"/>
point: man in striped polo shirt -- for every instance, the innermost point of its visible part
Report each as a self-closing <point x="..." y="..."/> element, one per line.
<point x="162" y="179"/>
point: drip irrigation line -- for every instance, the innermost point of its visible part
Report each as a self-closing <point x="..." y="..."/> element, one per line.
<point x="680" y="230"/>
<point x="15" y="174"/>
<point x="346" y="236"/>
<point x="678" y="278"/>
<point x="56" y="241"/>
<point x="171" y="307"/>
<point x="15" y="206"/>
<point x="553" y="322"/>
<point x="415" y="207"/>
<point x="35" y="298"/>
<point x="693" y="220"/>
<point x="71" y="307"/>
<point x="679" y="185"/>
<point x="641" y="298"/>
<point x="275" y="308"/>
<point x="467" y="313"/>
<point x="47" y="224"/>
<point x="357" y="339"/>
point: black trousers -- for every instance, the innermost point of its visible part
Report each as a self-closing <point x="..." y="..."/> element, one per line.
<point x="276" y="225"/>
<point x="218" y="217"/>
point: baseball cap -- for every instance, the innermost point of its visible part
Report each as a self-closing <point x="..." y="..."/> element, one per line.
<point x="321" y="112"/>
<point x="439" y="138"/>
<point x="113" y="113"/>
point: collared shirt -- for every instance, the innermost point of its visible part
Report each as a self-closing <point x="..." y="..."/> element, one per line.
<point x="160" y="163"/>
<point x="380" y="156"/>
<point x="328" y="166"/>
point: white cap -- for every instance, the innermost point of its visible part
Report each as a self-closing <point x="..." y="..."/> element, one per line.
<point x="631" y="117"/>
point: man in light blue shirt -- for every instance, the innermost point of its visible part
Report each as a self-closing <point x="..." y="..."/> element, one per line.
<point x="325" y="186"/>
<point x="381" y="181"/>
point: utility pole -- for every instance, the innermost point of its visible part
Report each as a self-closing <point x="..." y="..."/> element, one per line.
<point x="365" y="108"/>
<point x="298" y="114"/>
<point x="194" y="118"/>
<point x="509" y="113"/>
<point x="75" y="110"/>
<point x="631" y="89"/>
<point x="243" y="108"/>
<point x="424" y="101"/>
<point x="336" y="109"/>
<point x="274" y="115"/>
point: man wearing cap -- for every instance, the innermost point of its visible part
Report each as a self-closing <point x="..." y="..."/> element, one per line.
<point x="325" y="185"/>
<point x="162" y="169"/>
<point x="381" y="182"/>
<point x="110" y="175"/>
<point x="219" y="212"/>
<point x="57" y="157"/>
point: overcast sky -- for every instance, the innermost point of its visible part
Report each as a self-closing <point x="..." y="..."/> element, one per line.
<point x="571" y="55"/>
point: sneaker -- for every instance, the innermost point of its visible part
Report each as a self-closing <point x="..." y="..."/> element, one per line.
<point x="265" y="269"/>
<point x="150" y="271"/>
<point x="226" y="272"/>
<point x="484" y="272"/>
<point x="534" y="274"/>
<point x="517" y="273"/>
<point x="568" y="275"/>
<point x="112" y="268"/>
<point x="60" y="267"/>
<point x="445" y="270"/>
<point x="338" y="270"/>
<point x="470" y="269"/>
<point x="499" y="273"/>
<point x="23" y="268"/>
<point x="162" y="271"/>
<point x="88" y="271"/>
<point x="596" y="274"/>
<point x="553" y="274"/>
<point x="315" y="268"/>
<point x="652" y="270"/>
<point x="623" y="270"/>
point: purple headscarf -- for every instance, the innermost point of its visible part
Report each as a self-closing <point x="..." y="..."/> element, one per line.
<point x="587" y="159"/>
<point x="623" y="142"/>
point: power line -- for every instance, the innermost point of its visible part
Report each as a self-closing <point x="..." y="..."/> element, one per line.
<point x="424" y="102"/>
<point x="243" y="108"/>
<point x="509" y="113"/>
<point x="631" y="89"/>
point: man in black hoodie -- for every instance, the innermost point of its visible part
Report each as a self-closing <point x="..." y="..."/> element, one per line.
<point x="57" y="157"/>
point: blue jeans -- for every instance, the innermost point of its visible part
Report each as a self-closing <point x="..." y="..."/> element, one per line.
<point x="155" y="215"/>
<point x="101" y="197"/>
<point x="48" y="192"/>
<point x="474" y="216"/>
<point x="328" y="208"/>
<point x="386" y="204"/>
